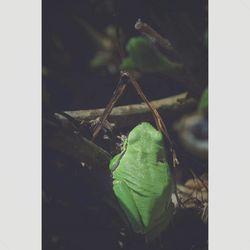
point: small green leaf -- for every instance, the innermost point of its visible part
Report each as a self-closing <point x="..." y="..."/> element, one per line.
<point x="128" y="64"/>
<point x="203" y="104"/>
<point x="146" y="58"/>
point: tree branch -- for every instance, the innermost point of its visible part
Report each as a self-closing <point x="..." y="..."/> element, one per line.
<point x="130" y="115"/>
<point x="148" y="31"/>
<point x="75" y="146"/>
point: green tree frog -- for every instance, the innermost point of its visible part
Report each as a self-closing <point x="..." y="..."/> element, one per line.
<point x="142" y="181"/>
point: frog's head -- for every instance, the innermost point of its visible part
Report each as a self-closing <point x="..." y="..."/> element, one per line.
<point x="146" y="137"/>
<point x="143" y="132"/>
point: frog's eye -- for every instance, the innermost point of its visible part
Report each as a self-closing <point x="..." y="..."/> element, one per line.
<point x="134" y="136"/>
<point x="157" y="136"/>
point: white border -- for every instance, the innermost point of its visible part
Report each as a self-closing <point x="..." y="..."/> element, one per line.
<point x="229" y="124"/>
<point x="20" y="126"/>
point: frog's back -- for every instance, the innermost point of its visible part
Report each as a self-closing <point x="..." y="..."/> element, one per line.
<point x="145" y="156"/>
<point x="145" y="170"/>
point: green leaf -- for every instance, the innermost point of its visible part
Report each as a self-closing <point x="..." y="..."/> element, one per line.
<point x="144" y="57"/>
<point x="128" y="64"/>
<point x="203" y="104"/>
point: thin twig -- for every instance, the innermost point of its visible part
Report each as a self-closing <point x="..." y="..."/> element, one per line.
<point x="158" y="120"/>
<point x="148" y="31"/>
<point x="195" y="178"/>
<point x="116" y="95"/>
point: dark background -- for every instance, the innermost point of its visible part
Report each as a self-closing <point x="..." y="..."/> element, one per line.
<point x="67" y="47"/>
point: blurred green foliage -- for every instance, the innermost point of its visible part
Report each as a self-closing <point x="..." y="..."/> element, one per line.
<point x="203" y="104"/>
<point x="143" y="56"/>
